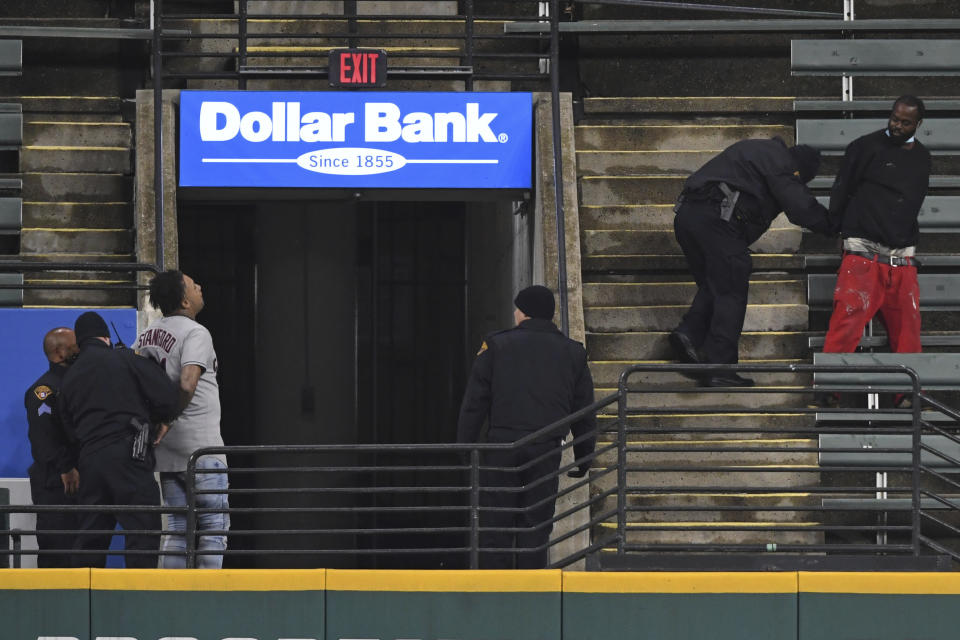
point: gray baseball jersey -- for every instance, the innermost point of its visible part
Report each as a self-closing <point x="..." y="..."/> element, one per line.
<point x="174" y="342"/>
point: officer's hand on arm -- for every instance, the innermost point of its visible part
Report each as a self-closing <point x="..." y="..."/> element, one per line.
<point x="161" y="433"/>
<point x="71" y="481"/>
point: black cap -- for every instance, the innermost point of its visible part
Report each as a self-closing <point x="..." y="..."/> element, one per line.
<point x="536" y="302"/>
<point x="90" y="325"/>
<point x="807" y="160"/>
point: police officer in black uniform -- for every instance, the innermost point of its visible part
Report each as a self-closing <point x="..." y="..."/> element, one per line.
<point x="53" y="474"/>
<point x="104" y="393"/>
<point x="524" y="379"/>
<point x="725" y="207"/>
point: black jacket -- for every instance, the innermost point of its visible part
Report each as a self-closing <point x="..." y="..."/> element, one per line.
<point x="523" y="379"/>
<point x="107" y="387"/>
<point x="52" y="453"/>
<point x="769" y="182"/>
<point x="879" y="190"/>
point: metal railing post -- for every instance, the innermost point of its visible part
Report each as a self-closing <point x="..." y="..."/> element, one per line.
<point x="917" y="461"/>
<point x="558" y="164"/>
<point x="242" y="43"/>
<point x="158" y="132"/>
<point x="475" y="509"/>
<point x="622" y="463"/>
<point x="468" y="41"/>
<point x="190" y="530"/>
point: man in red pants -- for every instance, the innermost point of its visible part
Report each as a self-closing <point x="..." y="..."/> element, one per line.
<point x="875" y="200"/>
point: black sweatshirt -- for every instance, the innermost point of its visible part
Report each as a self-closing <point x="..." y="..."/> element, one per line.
<point x="524" y="379"/>
<point x="107" y="387"/>
<point x="768" y="180"/>
<point x="879" y="190"/>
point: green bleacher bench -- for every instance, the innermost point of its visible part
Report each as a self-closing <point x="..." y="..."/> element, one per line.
<point x="938" y="291"/>
<point x="826" y="25"/>
<point x="940" y="136"/>
<point x="895" y="450"/>
<point x="11" y="57"/>
<point x="937" y="371"/>
<point x="11" y="125"/>
<point x="938" y="214"/>
<point x="873" y="57"/>
<point x="11" y="215"/>
<point x="872" y="105"/>
<point x="936" y="182"/>
<point x="9" y="184"/>
<point x="11" y="297"/>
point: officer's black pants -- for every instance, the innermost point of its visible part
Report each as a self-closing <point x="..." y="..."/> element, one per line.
<point x="111" y="476"/>
<point x="720" y="261"/>
<point x="53" y="522"/>
<point x="527" y="485"/>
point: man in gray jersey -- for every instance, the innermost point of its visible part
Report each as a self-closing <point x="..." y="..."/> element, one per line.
<point x="184" y="349"/>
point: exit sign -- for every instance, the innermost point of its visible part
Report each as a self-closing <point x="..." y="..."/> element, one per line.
<point x="358" y="68"/>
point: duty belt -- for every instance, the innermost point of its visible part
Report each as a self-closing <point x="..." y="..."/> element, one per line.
<point x="893" y="261"/>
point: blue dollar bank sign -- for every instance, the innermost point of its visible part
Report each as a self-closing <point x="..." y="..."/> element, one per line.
<point x="369" y="139"/>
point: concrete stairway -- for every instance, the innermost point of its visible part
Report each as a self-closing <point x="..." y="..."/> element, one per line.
<point x="76" y="157"/>
<point x="633" y="156"/>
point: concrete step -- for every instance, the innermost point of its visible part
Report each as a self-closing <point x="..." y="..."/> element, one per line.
<point x="606" y="373"/>
<point x="716" y="507"/>
<point x="782" y="237"/>
<point x="653" y="345"/>
<point x="676" y="263"/>
<point x="798" y="477"/>
<point x="628" y="217"/>
<point x="85" y="215"/>
<point x="260" y="28"/>
<point x="710" y="453"/>
<point x="760" y="317"/>
<point x="75" y="158"/>
<point x="605" y="294"/>
<point x="81" y="241"/>
<point x="625" y="163"/>
<point x="636" y="189"/>
<point x="710" y="137"/>
<point x="694" y="397"/>
<point x="51" y="133"/>
<point x="73" y="297"/>
<point x="781" y="533"/>
<point x="682" y="425"/>
<point x="699" y="106"/>
<point x="77" y="187"/>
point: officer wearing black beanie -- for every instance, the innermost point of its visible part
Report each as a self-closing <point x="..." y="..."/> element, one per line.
<point x="524" y="379"/>
<point x="103" y="393"/>
<point x="724" y="208"/>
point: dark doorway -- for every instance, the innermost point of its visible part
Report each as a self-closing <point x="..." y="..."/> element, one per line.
<point x="411" y="332"/>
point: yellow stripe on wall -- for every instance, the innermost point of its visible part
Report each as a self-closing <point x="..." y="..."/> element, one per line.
<point x="44" y="579"/>
<point x="680" y="582"/>
<point x="893" y="583"/>
<point x="445" y="581"/>
<point x="208" y="580"/>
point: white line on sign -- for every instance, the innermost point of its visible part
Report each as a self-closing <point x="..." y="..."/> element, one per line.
<point x="252" y="160"/>
<point x="410" y="161"/>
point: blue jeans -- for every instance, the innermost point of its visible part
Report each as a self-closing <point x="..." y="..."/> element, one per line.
<point x="174" y="488"/>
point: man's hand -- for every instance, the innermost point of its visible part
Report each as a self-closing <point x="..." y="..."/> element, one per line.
<point x="161" y="432"/>
<point x="71" y="481"/>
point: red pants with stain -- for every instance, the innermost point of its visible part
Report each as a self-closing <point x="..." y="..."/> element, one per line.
<point x="866" y="287"/>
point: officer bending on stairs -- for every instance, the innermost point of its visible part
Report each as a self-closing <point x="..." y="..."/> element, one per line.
<point x="724" y="208"/>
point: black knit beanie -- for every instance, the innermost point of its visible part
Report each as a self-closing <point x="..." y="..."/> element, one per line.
<point x="536" y="302"/>
<point x="90" y="325"/>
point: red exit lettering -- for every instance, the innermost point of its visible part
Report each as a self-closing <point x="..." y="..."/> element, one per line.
<point x="358" y="68"/>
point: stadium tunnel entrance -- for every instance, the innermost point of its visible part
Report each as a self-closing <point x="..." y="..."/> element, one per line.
<point x="346" y="321"/>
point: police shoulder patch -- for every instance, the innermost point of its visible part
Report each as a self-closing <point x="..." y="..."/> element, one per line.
<point x="42" y="392"/>
<point x="483" y="347"/>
